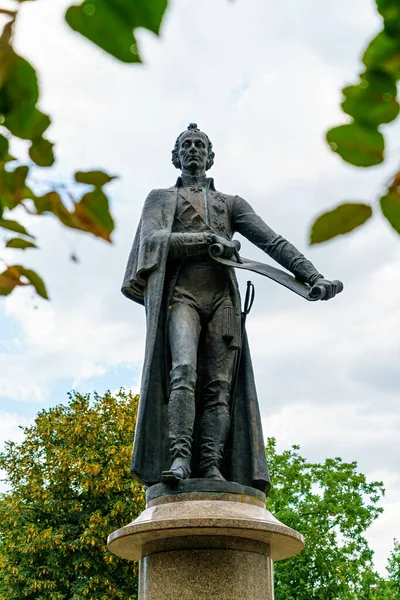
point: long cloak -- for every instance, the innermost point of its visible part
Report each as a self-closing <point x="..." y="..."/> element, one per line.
<point x="144" y="282"/>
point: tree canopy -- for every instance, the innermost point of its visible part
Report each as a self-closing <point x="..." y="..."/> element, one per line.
<point x="333" y="505"/>
<point x="70" y="486"/>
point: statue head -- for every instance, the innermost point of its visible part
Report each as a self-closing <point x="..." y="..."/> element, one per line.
<point x="193" y="151"/>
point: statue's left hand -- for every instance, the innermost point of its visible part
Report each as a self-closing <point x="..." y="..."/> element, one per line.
<point x="326" y="289"/>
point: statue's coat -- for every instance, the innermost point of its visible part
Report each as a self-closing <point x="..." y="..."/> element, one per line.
<point x="145" y="276"/>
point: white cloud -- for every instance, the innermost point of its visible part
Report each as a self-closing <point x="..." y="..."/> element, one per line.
<point x="336" y="429"/>
<point x="11" y="425"/>
<point x="86" y="328"/>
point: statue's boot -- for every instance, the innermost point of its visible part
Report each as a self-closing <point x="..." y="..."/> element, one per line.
<point x="180" y="469"/>
<point x="181" y="415"/>
<point x="215" y="425"/>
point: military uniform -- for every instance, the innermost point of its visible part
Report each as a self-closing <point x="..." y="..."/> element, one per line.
<point x="201" y="307"/>
<point x="193" y="334"/>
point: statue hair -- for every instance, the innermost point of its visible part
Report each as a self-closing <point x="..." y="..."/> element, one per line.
<point x="175" y="152"/>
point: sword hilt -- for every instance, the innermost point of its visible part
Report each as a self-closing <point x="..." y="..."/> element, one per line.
<point x="318" y="292"/>
<point x="249" y="299"/>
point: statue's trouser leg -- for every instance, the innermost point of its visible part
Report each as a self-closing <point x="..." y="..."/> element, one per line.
<point x="218" y="374"/>
<point x="183" y="333"/>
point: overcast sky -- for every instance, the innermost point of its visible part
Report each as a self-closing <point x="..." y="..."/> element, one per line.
<point x="263" y="79"/>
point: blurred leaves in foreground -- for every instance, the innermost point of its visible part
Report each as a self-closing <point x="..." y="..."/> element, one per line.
<point x="370" y="103"/>
<point x="110" y="24"/>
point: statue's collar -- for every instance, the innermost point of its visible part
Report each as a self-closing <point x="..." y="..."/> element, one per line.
<point x="192" y="180"/>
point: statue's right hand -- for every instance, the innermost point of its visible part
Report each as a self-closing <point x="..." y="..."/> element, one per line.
<point x="229" y="248"/>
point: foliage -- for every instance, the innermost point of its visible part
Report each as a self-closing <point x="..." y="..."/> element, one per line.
<point x="371" y="103"/>
<point x="342" y="219"/>
<point x="393" y="568"/>
<point x="109" y="24"/>
<point x="70" y="488"/>
<point x="389" y="589"/>
<point x="332" y="504"/>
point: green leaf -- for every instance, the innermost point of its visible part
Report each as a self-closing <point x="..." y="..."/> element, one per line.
<point x="110" y="23"/>
<point x="6" y="53"/>
<point x="96" y="178"/>
<point x="17" y="178"/>
<point x="357" y="144"/>
<point x="373" y="101"/>
<point x="41" y="152"/>
<point x="47" y="203"/>
<point x="94" y="215"/>
<point x="342" y="219"/>
<point x="13" y="189"/>
<point x="3" y="147"/>
<point x="390" y="205"/>
<point x="20" y="243"/>
<point x="32" y="127"/>
<point x="91" y="213"/>
<point x="36" y="281"/>
<point x="390" y="11"/>
<point x="19" y="94"/>
<point x="383" y="53"/>
<point x="52" y="203"/>
<point x="14" y="226"/>
<point x="101" y="24"/>
<point x="141" y="13"/>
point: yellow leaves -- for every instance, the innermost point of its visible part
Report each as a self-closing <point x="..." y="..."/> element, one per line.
<point x="91" y="213"/>
<point x="95" y="518"/>
<point x="9" y="279"/>
<point x="18" y="276"/>
<point x="109" y="558"/>
<point x="70" y="488"/>
<point x="93" y="470"/>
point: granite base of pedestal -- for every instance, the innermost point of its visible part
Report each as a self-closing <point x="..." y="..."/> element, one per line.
<point x="204" y="540"/>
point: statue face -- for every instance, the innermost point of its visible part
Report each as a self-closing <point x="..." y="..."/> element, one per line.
<point x="193" y="153"/>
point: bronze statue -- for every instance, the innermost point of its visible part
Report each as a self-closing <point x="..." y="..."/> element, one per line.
<point x="197" y="355"/>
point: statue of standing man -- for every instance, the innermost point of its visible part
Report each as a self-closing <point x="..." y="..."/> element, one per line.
<point x="195" y="348"/>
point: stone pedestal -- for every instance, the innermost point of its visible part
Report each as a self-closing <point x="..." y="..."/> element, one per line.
<point x="204" y="540"/>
